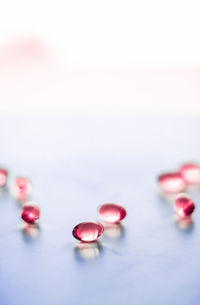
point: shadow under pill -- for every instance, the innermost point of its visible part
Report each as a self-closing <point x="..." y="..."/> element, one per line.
<point x="185" y="224"/>
<point x="114" y="231"/>
<point x="30" y="231"/>
<point x="88" y="251"/>
<point x="193" y="188"/>
<point x="3" y="192"/>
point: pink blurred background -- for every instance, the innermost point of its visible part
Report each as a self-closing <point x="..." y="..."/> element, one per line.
<point x="108" y="57"/>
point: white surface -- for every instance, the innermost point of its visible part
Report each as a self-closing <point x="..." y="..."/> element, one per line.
<point x="75" y="165"/>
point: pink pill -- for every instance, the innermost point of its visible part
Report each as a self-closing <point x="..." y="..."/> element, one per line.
<point x="3" y="177"/>
<point x="184" y="206"/>
<point x="112" y="213"/>
<point x="21" y="188"/>
<point x="172" y="182"/>
<point x="30" y="213"/>
<point x="190" y="173"/>
<point x="88" y="231"/>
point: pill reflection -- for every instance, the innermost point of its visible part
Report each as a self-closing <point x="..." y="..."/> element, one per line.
<point x="193" y="188"/>
<point x="184" y="223"/>
<point x="113" y="231"/>
<point x="88" y="251"/>
<point x="30" y="231"/>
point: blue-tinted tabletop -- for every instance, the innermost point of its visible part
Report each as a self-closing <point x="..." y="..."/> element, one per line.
<point x="76" y="164"/>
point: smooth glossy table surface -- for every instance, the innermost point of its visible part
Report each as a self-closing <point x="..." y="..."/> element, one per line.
<point x="76" y="164"/>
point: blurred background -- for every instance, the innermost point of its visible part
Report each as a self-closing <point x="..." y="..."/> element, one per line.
<point x="91" y="57"/>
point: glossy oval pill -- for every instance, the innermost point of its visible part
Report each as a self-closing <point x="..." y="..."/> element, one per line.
<point x="172" y="182"/>
<point x="112" y="213"/>
<point x="3" y="177"/>
<point x="21" y="189"/>
<point x="30" y="213"/>
<point x="190" y="173"/>
<point x="88" y="231"/>
<point x="184" y="206"/>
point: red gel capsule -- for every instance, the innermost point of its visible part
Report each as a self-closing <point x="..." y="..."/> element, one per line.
<point x="88" y="231"/>
<point x="3" y="177"/>
<point x="184" y="206"/>
<point x="190" y="173"/>
<point x="172" y="183"/>
<point x="30" y="213"/>
<point x="21" y="189"/>
<point x="112" y="213"/>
